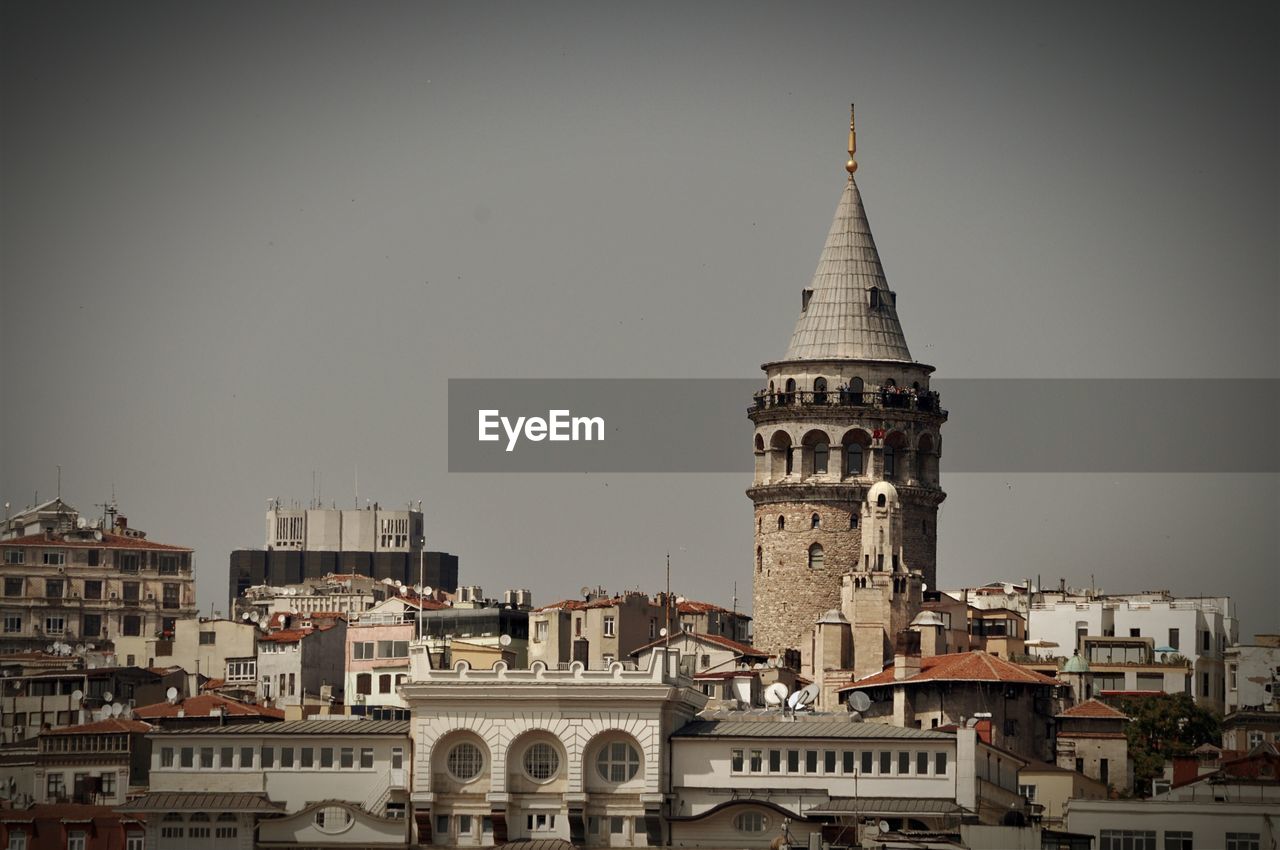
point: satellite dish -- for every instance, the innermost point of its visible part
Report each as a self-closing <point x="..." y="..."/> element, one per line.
<point x="859" y="701"/>
<point x="417" y="588"/>
<point x="81" y="522"/>
<point x="584" y="590"/>
<point x="245" y="616"/>
<point x="428" y="590"/>
<point x="505" y="640"/>
<point x="883" y="826"/>
<point x="97" y="534"/>
<point x="662" y="631"/>
<point x="398" y="584"/>
<point x="80" y="648"/>
<point x="253" y="616"/>
<point x="404" y="589"/>
<point x="971" y="722"/>
<point x="103" y="713"/>
<point x="51" y="648"/>
<point x="77" y="695"/>
<point x="117" y="709"/>
<point x="803" y="697"/>
<point x="107" y="697"/>
<point x="775" y="694"/>
<point x="171" y="695"/>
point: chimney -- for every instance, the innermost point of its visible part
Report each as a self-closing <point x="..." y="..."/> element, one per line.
<point x="906" y="655"/>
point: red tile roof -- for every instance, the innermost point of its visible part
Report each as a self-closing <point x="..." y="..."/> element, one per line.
<point x="567" y="604"/>
<point x="108" y="541"/>
<point x="728" y="674"/>
<point x="286" y="635"/>
<point x="975" y="666"/>
<point x="691" y="606"/>
<point x="64" y="812"/>
<point x="1093" y="709"/>
<point x="204" y="705"/>
<point x="110" y="725"/>
<point x="718" y="640"/>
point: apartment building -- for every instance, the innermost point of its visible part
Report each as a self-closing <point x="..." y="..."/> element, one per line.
<point x="377" y="663"/>
<point x="306" y="783"/>
<point x="69" y="581"/>
<point x="92" y="764"/>
<point x="302" y="665"/>
<point x="68" y="697"/>
<point x="599" y="629"/>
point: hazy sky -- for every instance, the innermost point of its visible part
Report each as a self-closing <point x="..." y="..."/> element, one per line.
<point x="243" y="243"/>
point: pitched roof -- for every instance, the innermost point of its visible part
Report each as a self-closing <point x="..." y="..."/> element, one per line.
<point x="203" y="706"/>
<point x="839" y="321"/>
<point x="200" y="801"/>
<point x="111" y="724"/>
<point x="287" y="635"/>
<point x="975" y="666"/>
<point x="717" y="640"/>
<point x="329" y="726"/>
<point x="800" y="726"/>
<point x="108" y="541"/>
<point x="64" y="812"/>
<point x="692" y="606"/>
<point x="1093" y="709"/>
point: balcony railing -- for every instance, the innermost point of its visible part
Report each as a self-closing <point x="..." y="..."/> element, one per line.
<point x="925" y="401"/>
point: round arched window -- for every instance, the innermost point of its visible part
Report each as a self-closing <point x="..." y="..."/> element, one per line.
<point x="541" y="762"/>
<point x="332" y="819"/>
<point x="618" y="762"/>
<point x="465" y="761"/>
<point x="816" y="556"/>
<point x="750" y="822"/>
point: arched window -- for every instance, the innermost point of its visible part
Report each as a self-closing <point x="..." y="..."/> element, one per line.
<point x="815" y="556"/>
<point x="889" y="462"/>
<point x="815" y="521"/>
<point x="853" y="459"/>
<point x="791" y="391"/>
<point x="782" y="522"/>
<point x="364" y="683"/>
<point x="855" y="390"/>
<point x="820" y="391"/>
<point x="384" y="683"/>
<point x="880" y="501"/>
<point x="465" y="761"/>
<point x="759" y="559"/>
<point x="618" y="761"/>
<point x="821" y="452"/>
<point x="541" y="761"/>
<point x="853" y="520"/>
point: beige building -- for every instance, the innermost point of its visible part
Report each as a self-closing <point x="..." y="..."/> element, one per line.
<point x="597" y="630"/>
<point x="70" y="582"/>
<point x="1048" y="787"/>
<point x="300" y="784"/>
<point x="845" y="407"/>
<point x="1091" y="740"/>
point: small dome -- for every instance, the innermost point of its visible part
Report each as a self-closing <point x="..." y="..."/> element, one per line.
<point x="834" y="617"/>
<point x="1076" y="664"/>
<point x="928" y="618"/>
<point x="883" y="488"/>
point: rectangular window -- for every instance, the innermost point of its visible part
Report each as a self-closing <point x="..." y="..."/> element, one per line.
<point x="166" y="756"/>
<point x="922" y="764"/>
<point x="54" y="787"/>
<point x="14" y="556"/>
<point x="735" y="761"/>
<point x="107" y="784"/>
<point x="793" y="761"/>
<point x="286" y="757"/>
<point x="347" y="758"/>
<point x="904" y="763"/>
<point x="886" y="763"/>
<point x="1244" y="841"/>
<point x="55" y="625"/>
<point x="366" y="757"/>
<point x="188" y="757"/>
<point x="615" y="826"/>
<point x="362" y="650"/>
<point x="540" y="631"/>
<point x="442" y="824"/>
<point x="609" y="627"/>
<point x="53" y="588"/>
<point x="208" y="638"/>
<point x="308" y="757"/>
<point x="326" y="756"/>
<point x="1028" y="791"/>
<point x="95" y="557"/>
<point x="775" y="761"/>
<point x="206" y="757"/>
<point x="12" y="624"/>
<point x="867" y="759"/>
<point x="1127" y="839"/>
<point x="55" y="559"/>
<point x="940" y="764"/>
<point x="246" y="758"/>
<point x="130" y="590"/>
<point x="93" y="590"/>
<point x="850" y="759"/>
<point x="13" y="587"/>
<point x="757" y="761"/>
<point x="810" y="761"/>
<point x="268" y="757"/>
<point x="127" y="562"/>
<point x="76" y="840"/>
<point x="829" y="761"/>
<point x="168" y="565"/>
<point x="1204" y="684"/>
<point x="1173" y="638"/>
<point x="170" y="596"/>
<point x="227" y="757"/>
<point x="464" y="824"/>
<point x="1174" y="840"/>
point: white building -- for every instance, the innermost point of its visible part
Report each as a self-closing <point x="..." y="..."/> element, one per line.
<point x="336" y="530"/>
<point x="304" y="783"/>
<point x="575" y="754"/>
<point x="1253" y="675"/>
<point x="1198" y="628"/>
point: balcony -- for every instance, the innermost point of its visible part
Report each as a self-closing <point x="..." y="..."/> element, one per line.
<point x="922" y="401"/>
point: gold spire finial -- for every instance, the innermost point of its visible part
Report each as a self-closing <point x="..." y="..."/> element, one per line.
<point x="852" y="165"/>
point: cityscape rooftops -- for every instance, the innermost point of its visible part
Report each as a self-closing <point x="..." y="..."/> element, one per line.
<point x="1093" y="709"/>
<point x="207" y="704"/>
<point x="975" y="666"/>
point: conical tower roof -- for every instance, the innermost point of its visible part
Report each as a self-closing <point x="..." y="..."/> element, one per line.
<point x="842" y="318"/>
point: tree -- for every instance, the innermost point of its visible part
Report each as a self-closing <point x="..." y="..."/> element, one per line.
<point x="1163" y="726"/>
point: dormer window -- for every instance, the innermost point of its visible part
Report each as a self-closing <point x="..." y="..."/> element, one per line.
<point x="805" y="295"/>
<point x="875" y="298"/>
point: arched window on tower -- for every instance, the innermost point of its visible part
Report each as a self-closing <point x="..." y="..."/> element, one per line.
<point x="782" y="522"/>
<point x="890" y="461"/>
<point x="820" y="391"/>
<point x="791" y="391"/>
<point x="815" y="556"/>
<point x="880" y="501"/>
<point x="815" y="521"/>
<point x="853" y="459"/>
<point x="853" y="519"/>
<point x="759" y="559"/>
<point x="821" y="454"/>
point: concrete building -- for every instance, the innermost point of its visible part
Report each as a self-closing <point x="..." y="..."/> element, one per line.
<point x="1253" y="675"/>
<point x="302" y="666"/>
<point x="61" y="698"/>
<point x="97" y="763"/>
<point x="311" y="543"/>
<point x="474" y="627"/>
<point x="751" y="780"/>
<point x="575" y="755"/>
<point x="1091" y="741"/>
<point x="79" y="583"/>
<point x="1197" y="629"/>
<point x="216" y="648"/>
<point x="350" y="595"/>
<point x="1047" y="788"/>
<point x="377" y="664"/>
<point x="845" y="407"/>
<point x="730" y="674"/>
<point x="299" y="784"/>
<point x="706" y="618"/>
<point x="946" y="690"/>
<point x="599" y="629"/>
<point x="69" y="825"/>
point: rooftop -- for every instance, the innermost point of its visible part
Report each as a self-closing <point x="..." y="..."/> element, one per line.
<point x="717" y="640"/>
<point x="777" y="725"/>
<point x="108" y="541"/>
<point x="112" y="725"/>
<point x="303" y="727"/>
<point x="975" y="666"/>
<point x="1093" y="709"/>
<point x="203" y="706"/>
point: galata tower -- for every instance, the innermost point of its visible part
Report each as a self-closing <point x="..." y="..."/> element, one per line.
<point x="844" y="408"/>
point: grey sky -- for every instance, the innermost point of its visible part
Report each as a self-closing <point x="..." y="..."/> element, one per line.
<point x="246" y="242"/>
